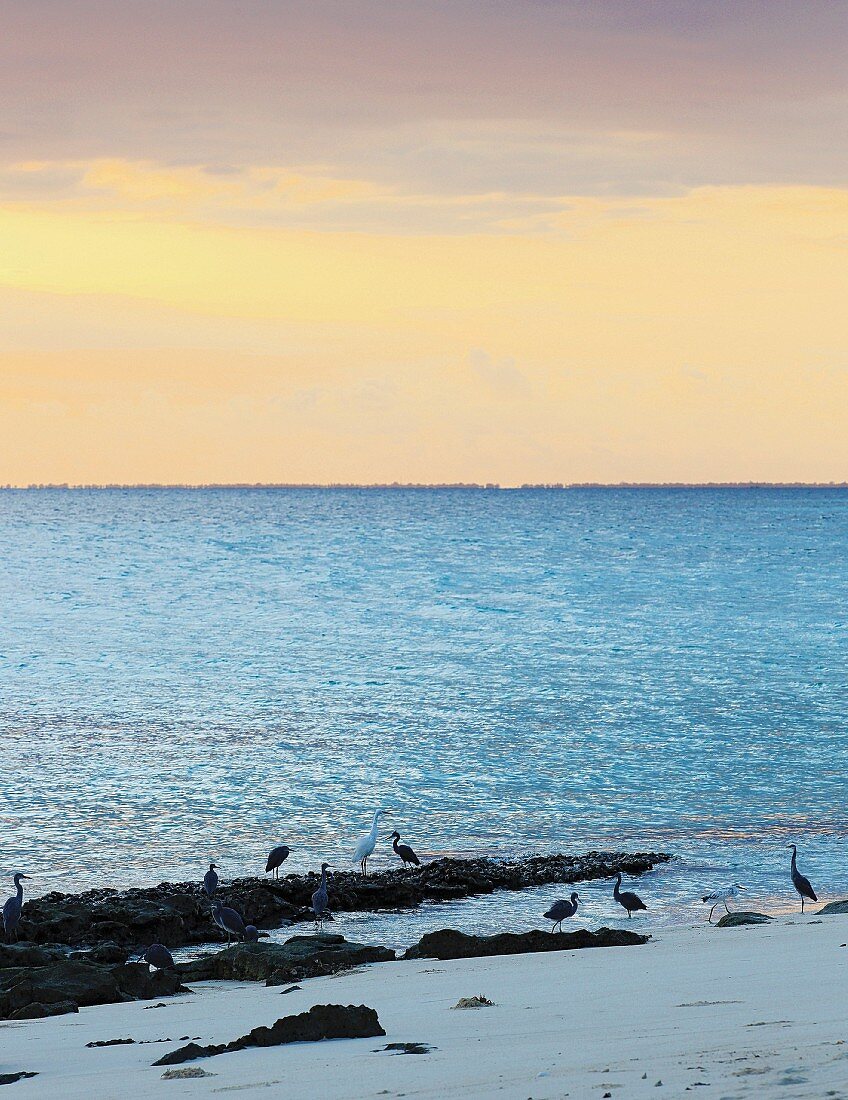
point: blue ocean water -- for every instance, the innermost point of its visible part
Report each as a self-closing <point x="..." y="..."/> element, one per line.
<point x="187" y="675"/>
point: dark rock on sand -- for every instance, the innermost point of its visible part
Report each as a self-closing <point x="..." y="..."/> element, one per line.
<point x="178" y="914"/>
<point x="833" y="907"/>
<point x="280" y="963"/>
<point x="320" y="1022"/>
<point x="10" y="1078"/>
<point x="450" y="944"/>
<point x="66" y="985"/>
<point x="735" y="920"/>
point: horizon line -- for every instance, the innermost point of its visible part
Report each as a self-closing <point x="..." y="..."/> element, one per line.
<point x="398" y="485"/>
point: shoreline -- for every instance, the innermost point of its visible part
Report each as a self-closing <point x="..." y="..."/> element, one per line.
<point x="748" y="1011"/>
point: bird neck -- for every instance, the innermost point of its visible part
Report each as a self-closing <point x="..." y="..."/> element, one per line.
<point x="19" y="887"/>
<point x="617" y="887"/>
<point x="794" y="854"/>
<point x="323" y="877"/>
<point x="395" y="842"/>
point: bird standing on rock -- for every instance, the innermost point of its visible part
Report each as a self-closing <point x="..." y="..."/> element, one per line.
<point x="320" y="898"/>
<point x="159" y="956"/>
<point x="719" y="896"/>
<point x="228" y="920"/>
<point x="12" y="908"/>
<point x="403" y="850"/>
<point x="368" y="843"/>
<point x="799" y="881"/>
<point x="627" y="899"/>
<point x="276" y="857"/>
<point x="210" y="881"/>
<point x="561" y="910"/>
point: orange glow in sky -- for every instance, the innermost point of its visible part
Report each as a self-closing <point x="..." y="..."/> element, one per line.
<point x="361" y="242"/>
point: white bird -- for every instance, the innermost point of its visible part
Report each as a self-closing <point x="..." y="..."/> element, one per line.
<point x="722" y="895"/>
<point x="368" y="843"/>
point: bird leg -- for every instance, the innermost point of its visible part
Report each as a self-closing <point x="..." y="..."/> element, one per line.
<point x="802" y="903"/>
<point x="710" y="917"/>
<point x="726" y="909"/>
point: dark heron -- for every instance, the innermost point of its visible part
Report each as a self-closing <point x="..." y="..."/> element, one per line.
<point x="627" y="899"/>
<point x="12" y="908"/>
<point x="276" y="857"/>
<point x="367" y="843"/>
<point x="719" y="896"/>
<point x="159" y="956"/>
<point x="210" y="881"/>
<point x="801" y="884"/>
<point x="403" y="850"/>
<point x="561" y="910"/>
<point x="320" y="898"/>
<point x="228" y="920"/>
<point x="251" y="933"/>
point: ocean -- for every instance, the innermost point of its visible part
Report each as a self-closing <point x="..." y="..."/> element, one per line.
<point x="188" y="675"/>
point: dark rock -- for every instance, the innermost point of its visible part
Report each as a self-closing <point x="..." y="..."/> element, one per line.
<point x="10" y="1078"/>
<point x="320" y="1022"/>
<point x="450" y="944"/>
<point x="833" y="907"/>
<point x="405" y="1048"/>
<point x="735" y="920"/>
<point x="70" y="983"/>
<point x="178" y="914"/>
<point x="113" y="1043"/>
<point x="280" y="963"/>
<point x="104" y="953"/>
<point x="16" y="955"/>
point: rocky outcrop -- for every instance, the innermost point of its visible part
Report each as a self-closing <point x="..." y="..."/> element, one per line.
<point x="833" y="908"/>
<point x="278" y="963"/>
<point x="448" y="943"/>
<point x="177" y="915"/>
<point x="320" y="1022"/>
<point x="736" y="920"/>
<point x="69" y="984"/>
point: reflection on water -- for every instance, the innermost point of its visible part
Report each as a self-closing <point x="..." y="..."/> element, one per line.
<point x="186" y="676"/>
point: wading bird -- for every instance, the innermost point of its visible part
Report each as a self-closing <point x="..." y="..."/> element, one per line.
<point x="159" y="956"/>
<point x="368" y="843"/>
<point x="403" y="850"/>
<point x="210" y="881"/>
<point x="251" y="933"/>
<point x="801" y="884"/>
<point x="561" y="910"/>
<point x="719" y="896"/>
<point x="320" y="898"/>
<point x="276" y="857"/>
<point x="12" y="908"/>
<point x="228" y="920"/>
<point x="627" y="899"/>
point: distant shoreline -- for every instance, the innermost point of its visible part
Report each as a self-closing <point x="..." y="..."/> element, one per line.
<point x="409" y="486"/>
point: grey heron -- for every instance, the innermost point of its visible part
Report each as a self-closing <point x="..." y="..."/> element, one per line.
<point x="403" y="850"/>
<point x="799" y="881"/>
<point x="561" y="910"/>
<point x="627" y="899"/>
<point x="367" y="843"/>
<point x="719" y="896"/>
<point x="251" y="933"/>
<point x="276" y="858"/>
<point x="321" y="897"/>
<point x="210" y="881"/>
<point x="159" y="956"/>
<point x="12" y="908"/>
<point x="228" y="920"/>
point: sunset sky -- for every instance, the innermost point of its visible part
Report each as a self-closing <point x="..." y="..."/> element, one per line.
<point x="423" y="241"/>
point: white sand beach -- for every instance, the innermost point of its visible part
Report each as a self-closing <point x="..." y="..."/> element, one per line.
<point x="751" y="1011"/>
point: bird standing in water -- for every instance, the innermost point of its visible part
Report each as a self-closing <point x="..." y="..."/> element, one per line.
<point x="627" y="899"/>
<point x="276" y="857"/>
<point x="561" y="910"/>
<point x="228" y="920"/>
<point x="210" y="881"/>
<point x="799" y="881"/>
<point x="403" y="850"/>
<point x="12" y="908"/>
<point x="368" y="843"/>
<point x="719" y="896"/>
